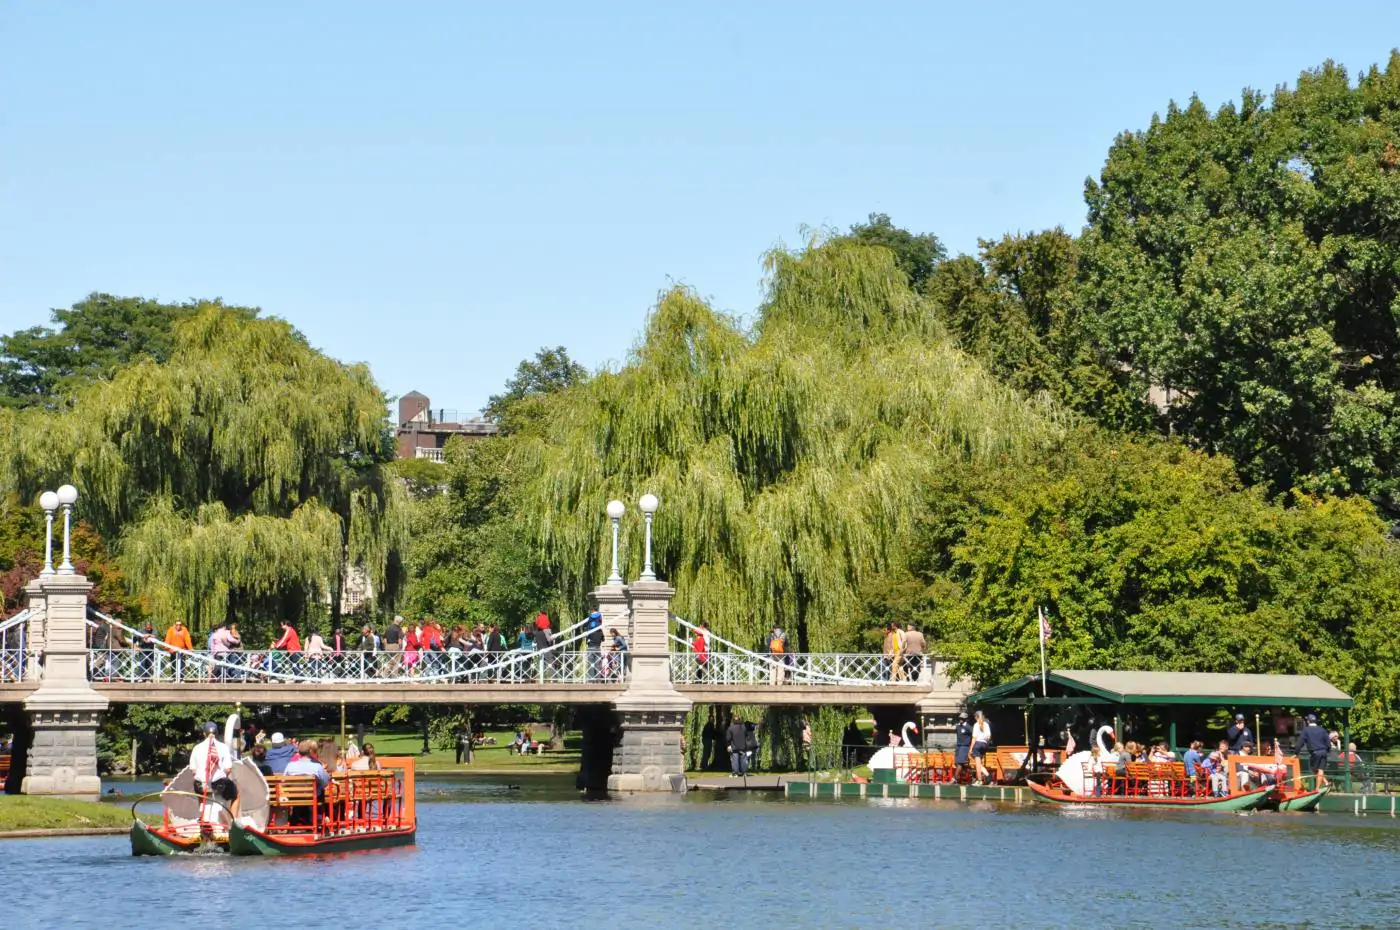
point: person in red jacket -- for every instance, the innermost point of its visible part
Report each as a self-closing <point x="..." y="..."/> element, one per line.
<point x="700" y="645"/>
<point x="289" y="641"/>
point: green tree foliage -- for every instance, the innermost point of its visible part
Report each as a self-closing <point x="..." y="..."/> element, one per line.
<point x="470" y="560"/>
<point x="90" y="341"/>
<point x="1246" y="260"/>
<point x="1150" y="556"/>
<point x="239" y="477"/>
<point x="788" y="459"/>
<point x="1016" y="310"/>
<point x="535" y="380"/>
<point x="915" y="254"/>
<point x="22" y="557"/>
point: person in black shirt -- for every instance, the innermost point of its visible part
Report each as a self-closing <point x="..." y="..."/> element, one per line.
<point x="737" y="738"/>
<point x="1314" y="740"/>
<point x="1239" y="735"/>
<point x="962" y="735"/>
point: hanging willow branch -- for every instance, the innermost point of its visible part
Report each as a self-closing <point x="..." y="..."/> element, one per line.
<point x="789" y="460"/>
<point x="246" y="450"/>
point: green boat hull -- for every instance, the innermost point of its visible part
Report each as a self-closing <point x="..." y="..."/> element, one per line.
<point x="1304" y="802"/>
<point x="147" y="842"/>
<point x="243" y="841"/>
<point x="1237" y="802"/>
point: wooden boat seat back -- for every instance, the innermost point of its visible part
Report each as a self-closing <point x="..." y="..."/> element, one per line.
<point x="291" y="790"/>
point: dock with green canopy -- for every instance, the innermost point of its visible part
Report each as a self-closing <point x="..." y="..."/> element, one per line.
<point x="1121" y="690"/>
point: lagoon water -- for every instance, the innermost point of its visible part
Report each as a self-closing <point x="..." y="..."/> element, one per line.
<point x="490" y="855"/>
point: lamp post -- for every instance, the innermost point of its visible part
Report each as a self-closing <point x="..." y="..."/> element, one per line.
<point x="615" y="511"/>
<point x="49" y="501"/>
<point x="67" y="496"/>
<point x="648" y="505"/>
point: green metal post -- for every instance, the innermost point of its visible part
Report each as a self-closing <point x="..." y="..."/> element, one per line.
<point x="1346" y="745"/>
<point x="1171" y="730"/>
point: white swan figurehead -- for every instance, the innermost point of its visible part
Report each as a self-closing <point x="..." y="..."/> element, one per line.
<point x="887" y="757"/>
<point x="1071" y="771"/>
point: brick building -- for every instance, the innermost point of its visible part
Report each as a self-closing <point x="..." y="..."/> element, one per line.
<point x="421" y="431"/>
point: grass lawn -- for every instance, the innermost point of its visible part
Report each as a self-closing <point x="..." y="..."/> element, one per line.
<point x="489" y="759"/>
<point x="18" y="812"/>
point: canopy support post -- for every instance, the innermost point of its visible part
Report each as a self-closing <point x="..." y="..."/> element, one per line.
<point x="1346" y="745"/>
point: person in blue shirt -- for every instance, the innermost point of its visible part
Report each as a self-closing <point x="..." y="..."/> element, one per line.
<point x="1193" y="758"/>
<point x="1314" y="741"/>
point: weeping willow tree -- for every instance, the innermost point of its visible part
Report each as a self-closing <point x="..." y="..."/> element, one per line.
<point x="789" y="458"/>
<point x="240" y="478"/>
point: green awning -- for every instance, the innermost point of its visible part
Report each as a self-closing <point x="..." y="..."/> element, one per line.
<point x="1112" y="687"/>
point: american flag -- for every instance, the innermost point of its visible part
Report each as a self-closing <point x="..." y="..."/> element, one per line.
<point x="1044" y="626"/>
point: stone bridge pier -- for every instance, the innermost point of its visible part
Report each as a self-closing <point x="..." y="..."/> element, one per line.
<point x="649" y="717"/>
<point x="64" y="713"/>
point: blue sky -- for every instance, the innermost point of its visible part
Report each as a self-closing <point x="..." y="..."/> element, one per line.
<point x="439" y="189"/>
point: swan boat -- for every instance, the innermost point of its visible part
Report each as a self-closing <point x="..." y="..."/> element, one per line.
<point x="892" y="764"/>
<point x="1142" y="785"/>
<point x="283" y="815"/>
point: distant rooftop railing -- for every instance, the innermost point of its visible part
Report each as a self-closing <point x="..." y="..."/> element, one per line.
<point x="443" y="420"/>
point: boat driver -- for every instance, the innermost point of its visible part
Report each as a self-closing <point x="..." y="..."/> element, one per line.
<point x="212" y="765"/>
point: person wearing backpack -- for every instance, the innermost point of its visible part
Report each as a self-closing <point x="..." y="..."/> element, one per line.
<point x="593" y="640"/>
<point x="778" y="653"/>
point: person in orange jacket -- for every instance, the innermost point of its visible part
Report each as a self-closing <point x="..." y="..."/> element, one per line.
<point x="177" y="637"/>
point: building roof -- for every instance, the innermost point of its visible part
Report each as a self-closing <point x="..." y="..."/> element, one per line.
<point x="1117" y="687"/>
<point x="413" y="394"/>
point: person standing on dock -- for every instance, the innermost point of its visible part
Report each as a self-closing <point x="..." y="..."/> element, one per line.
<point x="981" y="740"/>
<point x="736" y="737"/>
<point x="1239" y="735"/>
<point x="1314" y="740"/>
<point x="962" y="743"/>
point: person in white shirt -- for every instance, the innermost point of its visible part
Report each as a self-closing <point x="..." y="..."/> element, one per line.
<point x="212" y="765"/>
<point x="981" y="740"/>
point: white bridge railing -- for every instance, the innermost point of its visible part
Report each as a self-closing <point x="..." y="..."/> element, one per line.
<point x="14" y="654"/>
<point x="152" y="661"/>
<point x="739" y="666"/>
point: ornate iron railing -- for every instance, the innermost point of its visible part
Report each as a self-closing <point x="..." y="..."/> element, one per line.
<point x="14" y="653"/>
<point x="157" y="662"/>
<point x="731" y="664"/>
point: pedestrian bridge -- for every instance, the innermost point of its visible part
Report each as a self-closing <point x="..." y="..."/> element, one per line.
<point x="632" y="704"/>
<point x="149" y="671"/>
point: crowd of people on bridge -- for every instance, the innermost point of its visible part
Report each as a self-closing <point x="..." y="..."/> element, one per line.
<point x="400" y="648"/>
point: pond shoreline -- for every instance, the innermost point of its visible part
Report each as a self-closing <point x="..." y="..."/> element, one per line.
<point x="38" y="834"/>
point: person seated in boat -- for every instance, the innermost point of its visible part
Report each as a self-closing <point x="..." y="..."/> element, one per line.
<point x="366" y="761"/>
<point x="1214" y="767"/>
<point x="1192" y="759"/>
<point x="1248" y="777"/>
<point x="308" y="763"/>
<point x="260" y="759"/>
<point x="1160" y="754"/>
<point x="212" y="765"/>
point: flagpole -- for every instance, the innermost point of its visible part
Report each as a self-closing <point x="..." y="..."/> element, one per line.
<point x="1040" y="614"/>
